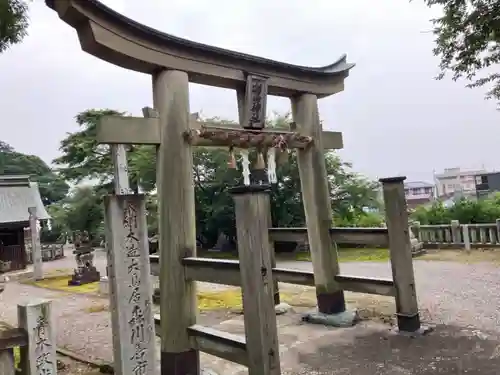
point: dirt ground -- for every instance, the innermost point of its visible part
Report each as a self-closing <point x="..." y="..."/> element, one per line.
<point x="458" y="294"/>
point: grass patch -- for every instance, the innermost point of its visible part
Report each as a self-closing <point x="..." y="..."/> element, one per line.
<point x="352" y="255"/>
<point x="491" y="256"/>
<point x="96" y="308"/>
<point x="61" y="283"/>
<point x="345" y="255"/>
<point x="217" y="254"/>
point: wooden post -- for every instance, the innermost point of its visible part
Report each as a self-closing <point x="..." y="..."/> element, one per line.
<point x="130" y="285"/>
<point x="455" y="232"/>
<point x="465" y="232"/>
<point x="39" y="356"/>
<point x="251" y="206"/>
<point x="317" y="206"/>
<point x="121" y="178"/>
<point x="177" y="232"/>
<point x="272" y="255"/>
<point x="401" y="256"/>
<point x="36" y="247"/>
<point x="242" y="114"/>
<point x="497" y="221"/>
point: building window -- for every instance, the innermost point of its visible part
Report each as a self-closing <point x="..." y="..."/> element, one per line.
<point x="484" y="179"/>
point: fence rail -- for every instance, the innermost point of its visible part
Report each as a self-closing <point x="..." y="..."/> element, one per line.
<point x="458" y="235"/>
<point x="49" y="252"/>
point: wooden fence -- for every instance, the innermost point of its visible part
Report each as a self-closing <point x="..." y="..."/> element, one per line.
<point x="12" y="258"/>
<point x="455" y="235"/>
<point x="34" y="341"/>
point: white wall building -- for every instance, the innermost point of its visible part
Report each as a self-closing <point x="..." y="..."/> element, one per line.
<point x="455" y="180"/>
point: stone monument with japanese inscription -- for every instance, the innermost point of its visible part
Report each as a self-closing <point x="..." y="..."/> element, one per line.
<point x="85" y="271"/>
<point x="39" y="356"/>
<point x="130" y="285"/>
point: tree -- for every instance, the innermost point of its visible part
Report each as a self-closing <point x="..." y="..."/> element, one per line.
<point x="13" y="22"/>
<point x="52" y="187"/>
<point x="468" y="41"/>
<point x="81" y="210"/>
<point x="83" y="158"/>
<point x="350" y="192"/>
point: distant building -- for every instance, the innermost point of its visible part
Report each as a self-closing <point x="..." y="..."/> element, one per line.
<point x="17" y="194"/>
<point x="418" y="193"/>
<point x="487" y="183"/>
<point x="455" y="181"/>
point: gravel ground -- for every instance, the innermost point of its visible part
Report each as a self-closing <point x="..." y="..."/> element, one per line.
<point x="448" y="292"/>
<point x="453" y="293"/>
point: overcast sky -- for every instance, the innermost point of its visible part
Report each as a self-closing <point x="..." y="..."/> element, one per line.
<point x="395" y="118"/>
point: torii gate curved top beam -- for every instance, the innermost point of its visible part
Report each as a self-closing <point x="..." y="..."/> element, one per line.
<point x="119" y="40"/>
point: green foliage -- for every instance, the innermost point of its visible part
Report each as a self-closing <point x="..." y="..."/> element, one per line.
<point x="83" y="158"/>
<point x="14" y="22"/>
<point x="81" y="210"/>
<point x="362" y="220"/>
<point x="467" y="41"/>
<point x="52" y="187"/>
<point x="465" y="211"/>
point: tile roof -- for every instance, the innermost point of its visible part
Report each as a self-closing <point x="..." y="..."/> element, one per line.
<point x="417" y="184"/>
<point x="17" y="194"/>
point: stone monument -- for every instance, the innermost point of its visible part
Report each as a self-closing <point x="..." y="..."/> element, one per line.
<point x="84" y="255"/>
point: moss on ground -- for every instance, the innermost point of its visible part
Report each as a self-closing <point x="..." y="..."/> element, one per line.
<point x="345" y="255"/>
<point x="61" y="283"/>
<point x="354" y="255"/>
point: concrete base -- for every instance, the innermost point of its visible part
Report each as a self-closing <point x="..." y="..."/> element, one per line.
<point x="344" y="319"/>
<point x="104" y="285"/>
<point x="282" y="308"/>
<point x="422" y="331"/>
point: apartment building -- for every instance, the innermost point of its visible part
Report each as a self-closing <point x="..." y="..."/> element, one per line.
<point x="418" y="192"/>
<point x="455" y="180"/>
<point x="487" y="184"/>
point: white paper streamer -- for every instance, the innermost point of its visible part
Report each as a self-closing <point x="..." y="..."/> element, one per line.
<point x="245" y="162"/>
<point x="271" y="165"/>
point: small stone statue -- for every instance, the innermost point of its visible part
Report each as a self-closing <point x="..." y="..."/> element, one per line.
<point x="85" y="272"/>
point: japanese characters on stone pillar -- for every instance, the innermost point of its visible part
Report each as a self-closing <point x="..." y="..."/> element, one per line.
<point x="36" y="248"/>
<point x="39" y="357"/>
<point x="130" y="285"/>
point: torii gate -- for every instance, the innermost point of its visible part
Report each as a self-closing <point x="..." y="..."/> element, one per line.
<point x="173" y="63"/>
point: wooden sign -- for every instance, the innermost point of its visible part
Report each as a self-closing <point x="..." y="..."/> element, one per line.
<point x="255" y="102"/>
